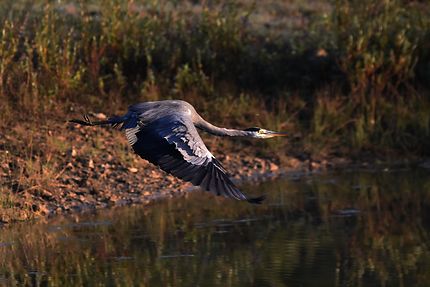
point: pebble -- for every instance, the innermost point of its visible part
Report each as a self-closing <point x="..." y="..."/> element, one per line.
<point x="100" y="116"/>
<point x="273" y="167"/>
<point x="133" y="170"/>
<point x="73" y="152"/>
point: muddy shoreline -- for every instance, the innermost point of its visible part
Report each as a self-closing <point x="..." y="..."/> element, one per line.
<point x="62" y="168"/>
<point x="73" y="169"/>
<point x="145" y="185"/>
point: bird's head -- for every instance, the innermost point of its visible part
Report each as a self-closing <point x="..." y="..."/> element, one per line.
<point x="257" y="132"/>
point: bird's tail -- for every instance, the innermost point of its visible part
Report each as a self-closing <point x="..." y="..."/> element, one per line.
<point x="118" y="121"/>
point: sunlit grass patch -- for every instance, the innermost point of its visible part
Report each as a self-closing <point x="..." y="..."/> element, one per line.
<point x="336" y="74"/>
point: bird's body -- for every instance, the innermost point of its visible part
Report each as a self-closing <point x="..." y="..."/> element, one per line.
<point x="165" y="134"/>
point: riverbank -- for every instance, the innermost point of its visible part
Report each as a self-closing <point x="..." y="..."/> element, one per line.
<point x="346" y="81"/>
<point x="62" y="168"/>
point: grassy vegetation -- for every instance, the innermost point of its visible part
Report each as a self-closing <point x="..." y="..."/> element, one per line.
<point x="352" y="77"/>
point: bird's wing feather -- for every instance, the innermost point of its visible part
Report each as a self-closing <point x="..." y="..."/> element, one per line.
<point x="173" y="144"/>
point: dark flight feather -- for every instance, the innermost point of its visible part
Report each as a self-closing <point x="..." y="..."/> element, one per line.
<point x="175" y="156"/>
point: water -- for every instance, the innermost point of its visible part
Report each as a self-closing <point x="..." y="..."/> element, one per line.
<point x="350" y="229"/>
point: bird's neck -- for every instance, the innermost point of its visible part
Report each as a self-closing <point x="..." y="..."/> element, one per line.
<point x="217" y="131"/>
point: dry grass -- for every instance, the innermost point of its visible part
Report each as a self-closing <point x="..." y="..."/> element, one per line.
<point x="361" y="58"/>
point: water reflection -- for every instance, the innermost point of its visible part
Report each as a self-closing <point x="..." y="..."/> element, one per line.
<point x="351" y="229"/>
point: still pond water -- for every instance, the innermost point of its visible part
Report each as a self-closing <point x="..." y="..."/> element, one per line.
<point x="356" y="228"/>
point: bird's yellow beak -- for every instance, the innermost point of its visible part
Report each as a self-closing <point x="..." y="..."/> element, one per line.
<point x="271" y="134"/>
<point x="279" y="134"/>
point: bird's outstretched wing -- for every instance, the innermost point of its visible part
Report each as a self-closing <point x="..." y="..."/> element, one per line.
<point x="173" y="144"/>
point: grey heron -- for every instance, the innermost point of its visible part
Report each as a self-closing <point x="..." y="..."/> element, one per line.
<point x="165" y="134"/>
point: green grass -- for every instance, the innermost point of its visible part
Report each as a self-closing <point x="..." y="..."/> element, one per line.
<point x="345" y="76"/>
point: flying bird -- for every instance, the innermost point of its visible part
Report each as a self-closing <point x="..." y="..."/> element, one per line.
<point x="165" y="134"/>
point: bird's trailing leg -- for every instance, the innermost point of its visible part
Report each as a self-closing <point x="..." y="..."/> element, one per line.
<point x="87" y="121"/>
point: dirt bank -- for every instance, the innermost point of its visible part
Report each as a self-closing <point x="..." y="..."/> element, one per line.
<point x="60" y="167"/>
